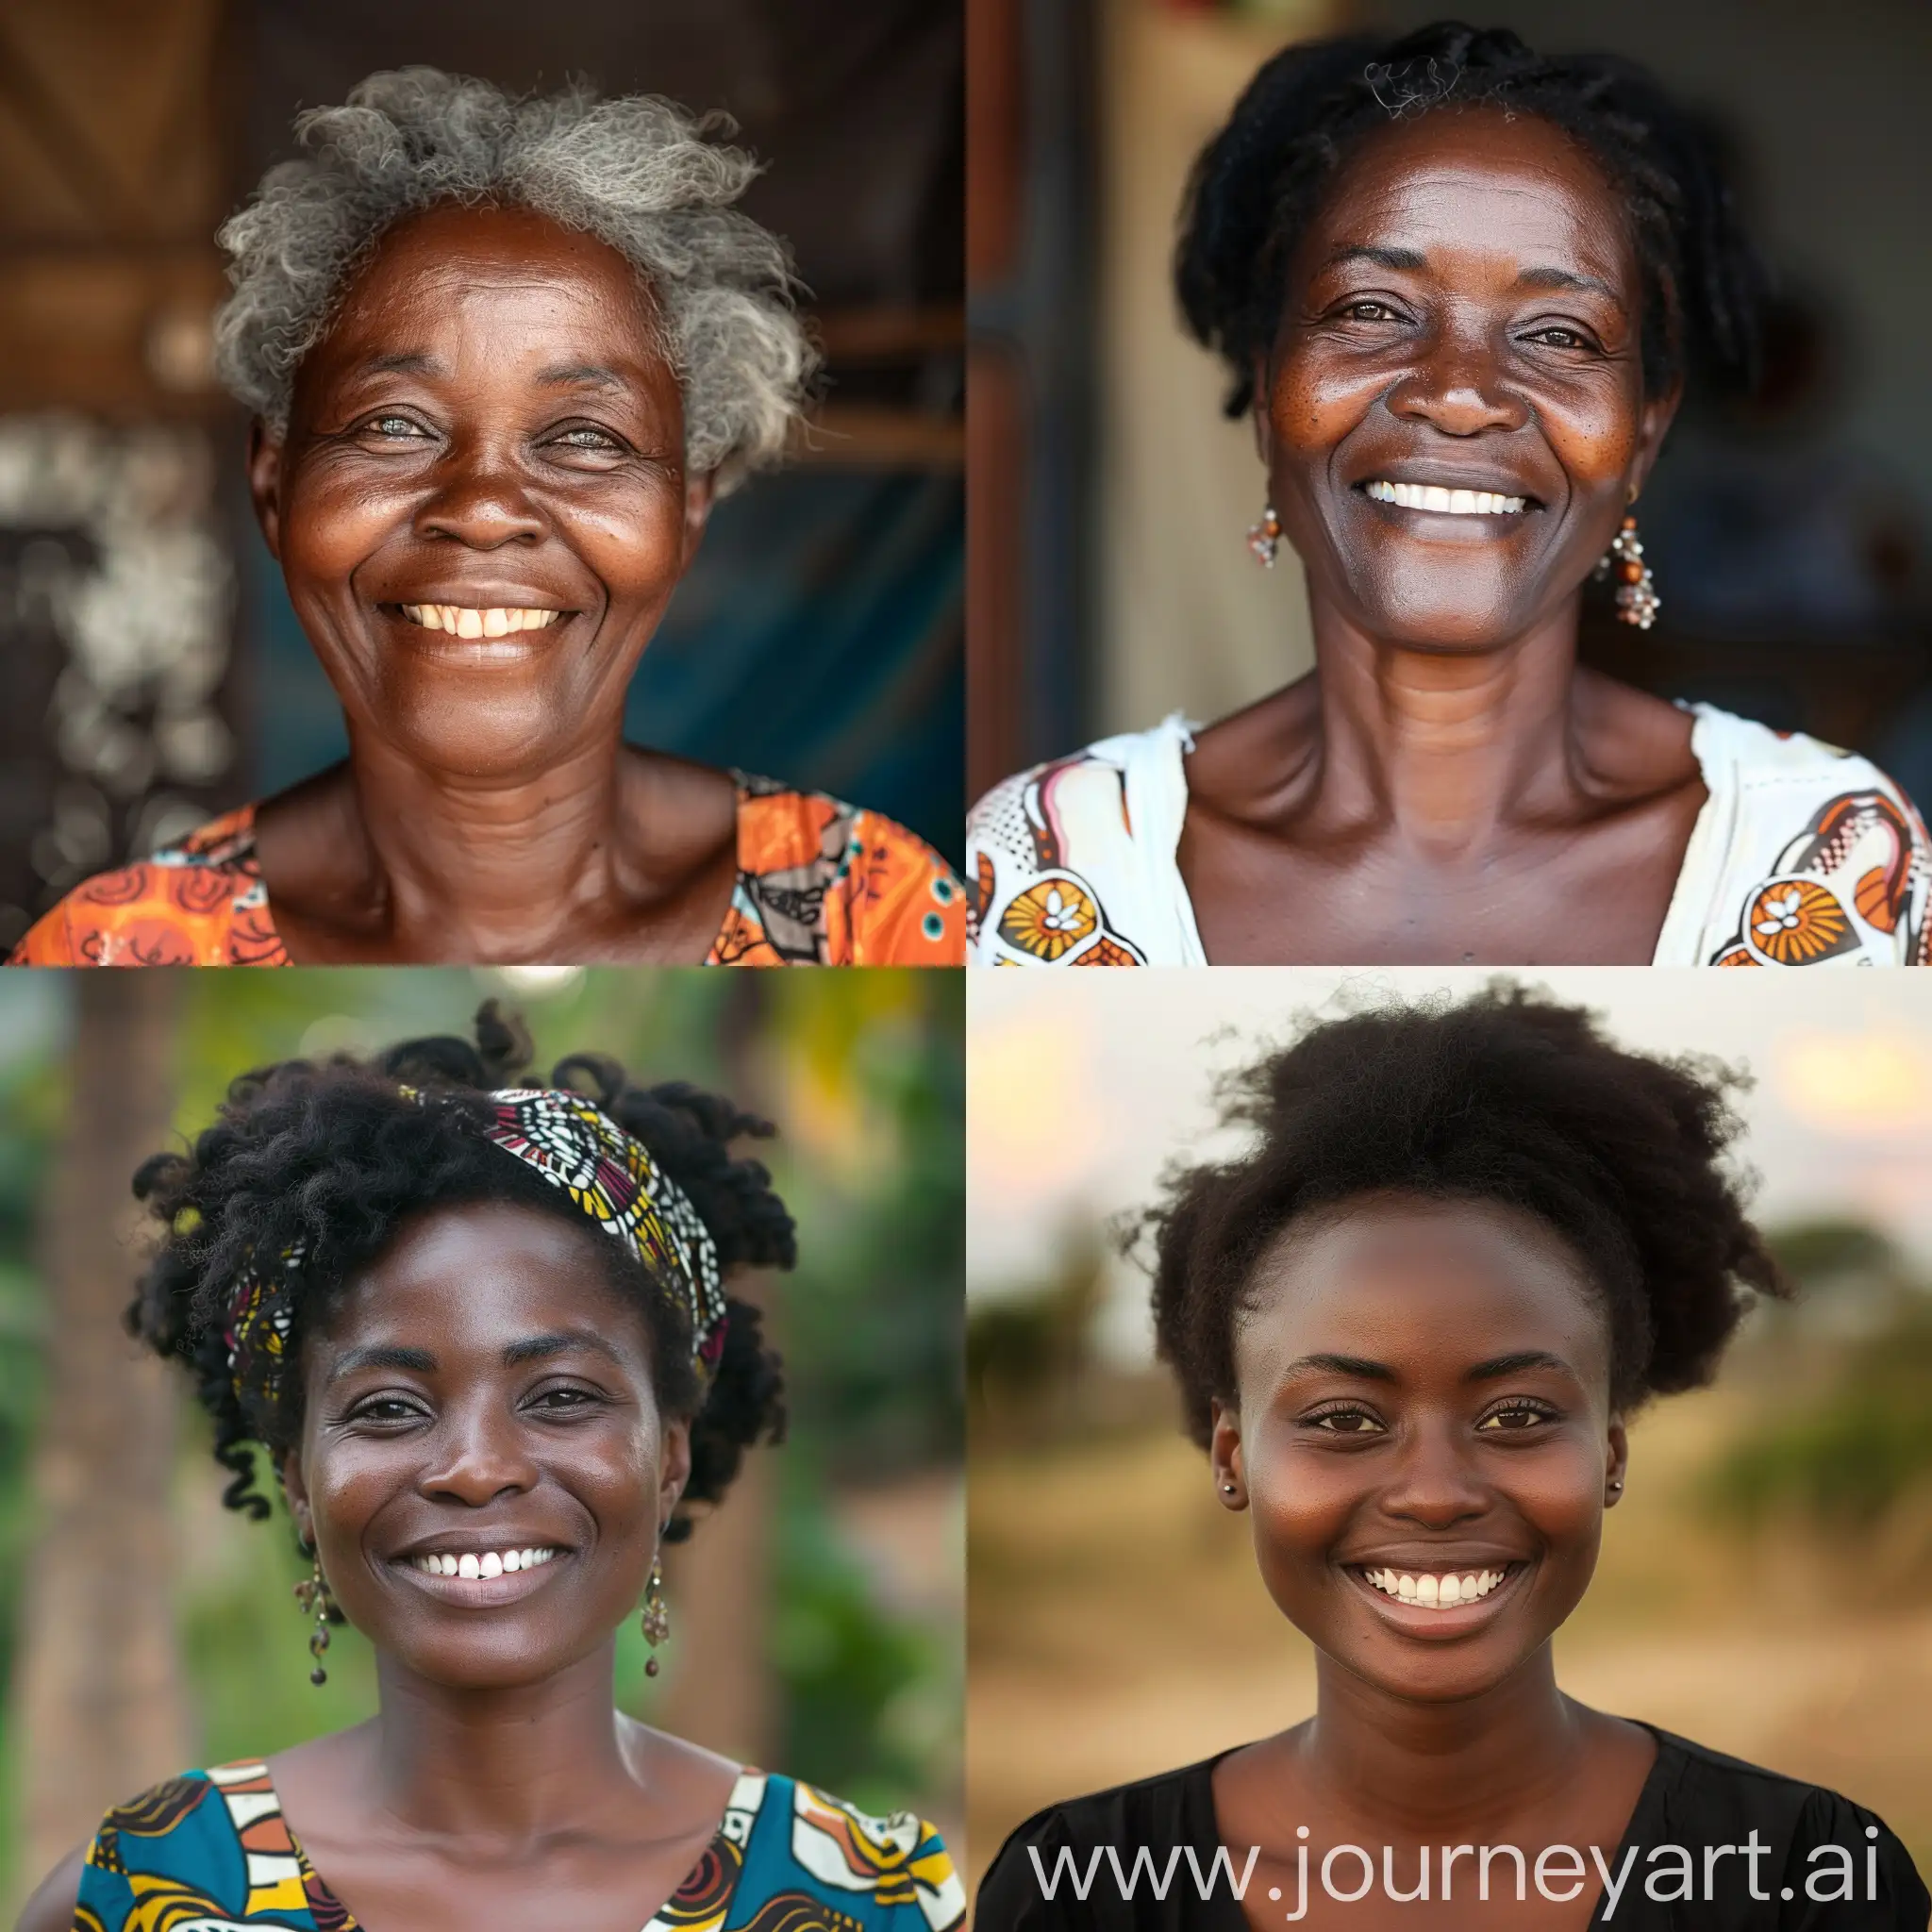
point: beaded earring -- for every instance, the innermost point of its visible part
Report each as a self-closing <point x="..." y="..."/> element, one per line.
<point x="313" y="1595"/>
<point x="1638" y="601"/>
<point x="656" y="1622"/>
<point x="1264" y="539"/>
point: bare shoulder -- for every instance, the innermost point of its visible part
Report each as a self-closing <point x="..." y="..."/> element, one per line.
<point x="1241" y="761"/>
<point x="1633" y="739"/>
<point x="51" y="1907"/>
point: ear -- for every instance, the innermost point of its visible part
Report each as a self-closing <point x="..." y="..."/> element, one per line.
<point x="265" y="483"/>
<point x="295" y="1493"/>
<point x="1659" y="412"/>
<point x="1225" y="1457"/>
<point x="674" y="1468"/>
<point x="700" y="492"/>
<point x="1257" y="412"/>
<point x="1616" y="1463"/>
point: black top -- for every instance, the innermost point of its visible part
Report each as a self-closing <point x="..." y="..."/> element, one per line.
<point x="1692" y="1798"/>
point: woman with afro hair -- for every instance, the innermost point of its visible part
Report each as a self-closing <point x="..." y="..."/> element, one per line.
<point x="1411" y="1324"/>
<point x="1459" y="288"/>
<point x="480" y="1331"/>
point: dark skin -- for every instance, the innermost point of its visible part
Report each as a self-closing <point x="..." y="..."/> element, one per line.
<point x="1425" y="1387"/>
<point x="1448" y="786"/>
<point x="491" y="423"/>
<point x="481" y="1387"/>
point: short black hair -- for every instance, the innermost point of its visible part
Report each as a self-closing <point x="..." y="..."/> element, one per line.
<point x="1509" y="1098"/>
<point x="1256" y="184"/>
<point x="332" y="1152"/>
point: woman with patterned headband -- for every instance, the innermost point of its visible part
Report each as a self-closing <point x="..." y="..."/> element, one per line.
<point x="481" y="1331"/>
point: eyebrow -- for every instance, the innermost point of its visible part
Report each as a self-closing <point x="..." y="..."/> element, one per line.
<point x="1562" y="278"/>
<point x="1381" y="257"/>
<point x="403" y="362"/>
<point x="538" y="1348"/>
<point x="387" y="1356"/>
<point x="593" y="373"/>
<point x="419" y="1361"/>
<point x="1365" y="1369"/>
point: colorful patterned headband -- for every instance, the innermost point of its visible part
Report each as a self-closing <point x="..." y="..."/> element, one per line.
<point x="610" y="1176"/>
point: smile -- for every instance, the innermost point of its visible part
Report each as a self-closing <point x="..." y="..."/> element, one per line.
<point x="463" y="621"/>
<point x="480" y="1566"/>
<point x="1443" y="501"/>
<point x="1436" y="1590"/>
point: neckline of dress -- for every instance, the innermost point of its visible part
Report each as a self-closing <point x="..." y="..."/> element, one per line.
<point x="239" y="840"/>
<point x="1175" y="738"/>
<point x="319" y="1891"/>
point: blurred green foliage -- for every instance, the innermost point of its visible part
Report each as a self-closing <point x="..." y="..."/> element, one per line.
<point x="863" y="1073"/>
<point x="1845" y="1459"/>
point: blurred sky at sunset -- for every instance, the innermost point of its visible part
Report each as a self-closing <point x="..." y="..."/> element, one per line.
<point x="1080" y="1086"/>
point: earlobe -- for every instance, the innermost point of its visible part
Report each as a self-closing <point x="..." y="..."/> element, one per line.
<point x="265" y="485"/>
<point x="700" y="493"/>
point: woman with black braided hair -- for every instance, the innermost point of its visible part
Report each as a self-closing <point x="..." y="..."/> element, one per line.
<point x="1459" y="286"/>
<point x="480" y="1331"/>
<point x="1411" y="1320"/>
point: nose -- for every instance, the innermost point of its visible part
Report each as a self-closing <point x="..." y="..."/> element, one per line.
<point x="1458" y="388"/>
<point x="1434" y="1483"/>
<point x="479" y="1456"/>
<point x="481" y="501"/>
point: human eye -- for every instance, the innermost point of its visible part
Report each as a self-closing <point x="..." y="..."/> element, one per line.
<point x="1367" y="309"/>
<point x="386" y="1411"/>
<point x="1346" y="1419"/>
<point x="588" y="438"/>
<point x="390" y="427"/>
<point x="562" y="1399"/>
<point x="1518" y="1416"/>
<point x="1559" y="335"/>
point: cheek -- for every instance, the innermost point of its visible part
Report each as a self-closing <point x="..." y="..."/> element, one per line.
<point x="632" y="539"/>
<point x="1314" y="402"/>
<point x="1593" y="430"/>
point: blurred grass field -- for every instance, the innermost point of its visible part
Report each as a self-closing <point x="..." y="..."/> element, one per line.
<point x="1116" y="1625"/>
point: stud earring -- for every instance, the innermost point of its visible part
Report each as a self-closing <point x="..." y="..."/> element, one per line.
<point x="1227" y="1489"/>
<point x="656" y="1622"/>
<point x="1264" y="539"/>
<point x="1638" y="601"/>
<point x="313" y="1595"/>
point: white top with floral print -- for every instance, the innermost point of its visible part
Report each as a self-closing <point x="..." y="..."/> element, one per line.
<point x="1802" y="856"/>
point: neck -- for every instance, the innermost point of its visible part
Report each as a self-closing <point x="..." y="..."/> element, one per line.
<point x="1442" y="1770"/>
<point x="1448" y="748"/>
<point x="518" y="1763"/>
<point x="486" y="867"/>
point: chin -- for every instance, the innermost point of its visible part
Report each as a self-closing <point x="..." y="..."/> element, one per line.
<point x="502" y="738"/>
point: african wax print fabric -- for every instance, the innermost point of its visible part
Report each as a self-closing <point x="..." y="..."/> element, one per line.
<point x="1802" y="856"/>
<point x="576" y="1146"/>
<point x="212" y="1849"/>
<point x="819" y="884"/>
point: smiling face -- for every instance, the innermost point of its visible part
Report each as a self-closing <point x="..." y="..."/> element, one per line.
<point x="1423" y="1394"/>
<point x="482" y="1392"/>
<point x="481" y="506"/>
<point x="1454" y="416"/>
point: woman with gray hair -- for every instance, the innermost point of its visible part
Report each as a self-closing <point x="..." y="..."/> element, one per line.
<point x="502" y="355"/>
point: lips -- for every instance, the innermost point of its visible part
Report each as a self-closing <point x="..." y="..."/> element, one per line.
<point x="1418" y="1609"/>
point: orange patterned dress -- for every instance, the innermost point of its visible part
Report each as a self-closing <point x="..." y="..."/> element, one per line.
<point x="819" y="884"/>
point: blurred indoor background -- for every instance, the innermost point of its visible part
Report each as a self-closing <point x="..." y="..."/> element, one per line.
<point x="151" y="669"/>
<point x="1110" y="579"/>
<point x="1762" y="1587"/>
<point x="816" y="1616"/>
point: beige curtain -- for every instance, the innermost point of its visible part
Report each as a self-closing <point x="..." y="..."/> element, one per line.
<point x="1189" y="620"/>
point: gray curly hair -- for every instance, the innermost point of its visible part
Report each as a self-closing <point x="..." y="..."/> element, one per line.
<point x="638" y="173"/>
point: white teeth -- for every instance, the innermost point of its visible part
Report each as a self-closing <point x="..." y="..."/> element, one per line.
<point x="1445" y="502"/>
<point x="1438" y="1592"/>
<point x="463" y="622"/>
<point x="489" y="1563"/>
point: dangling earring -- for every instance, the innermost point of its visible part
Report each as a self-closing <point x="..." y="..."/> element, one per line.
<point x="315" y="1600"/>
<point x="1264" y="539"/>
<point x="1636" y="599"/>
<point x="656" y="1622"/>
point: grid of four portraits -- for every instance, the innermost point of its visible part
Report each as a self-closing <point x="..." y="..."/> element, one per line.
<point x="1410" y="1404"/>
